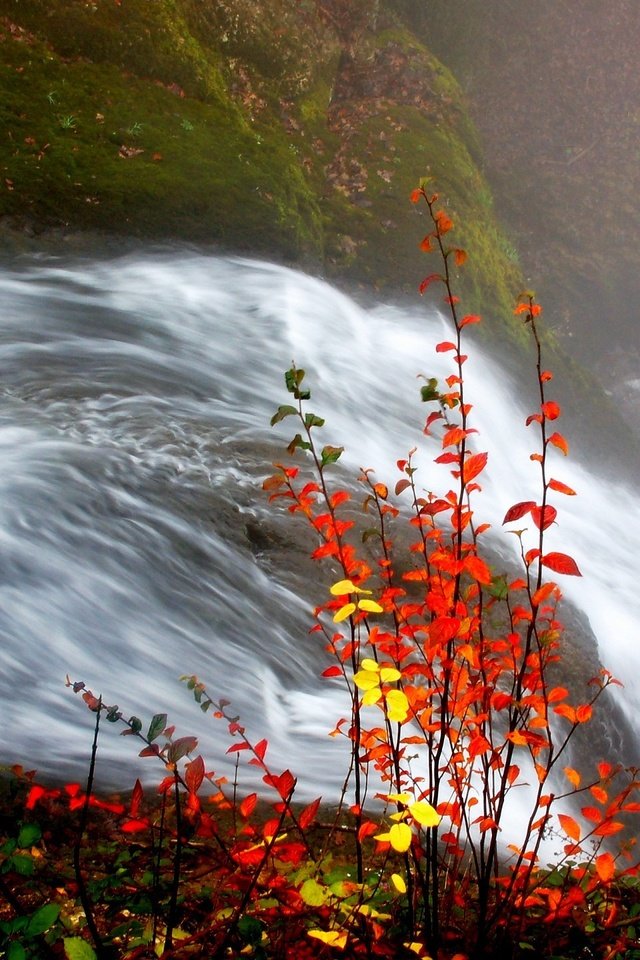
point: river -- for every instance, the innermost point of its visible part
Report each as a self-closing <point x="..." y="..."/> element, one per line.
<point x="136" y="543"/>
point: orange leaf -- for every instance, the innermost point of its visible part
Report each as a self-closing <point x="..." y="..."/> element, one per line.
<point x="469" y="319"/>
<point x="583" y="713"/>
<point x="609" y="827"/>
<point x="473" y="466"/>
<point x="445" y="346"/>
<point x="572" y="776"/>
<point x="460" y="256"/>
<point x="477" y="569"/>
<point x="541" y="595"/>
<point x="605" y="867"/>
<point x="559" y="441"/>
<point x="570" y="826"/>
<point x="560" y="487"/>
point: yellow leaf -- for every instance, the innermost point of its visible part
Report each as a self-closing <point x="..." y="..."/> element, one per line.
<point x="366" y="679"/>
<point x="398" y="883"/>
<point x="399" y="798"/>
<point x="425" y="814"/>
<point x="416" y="947"/>
<point x="400" y="837"/>
<point x="334" y="938"/>
<point x="397" y="706"/>
<point x="389" y="674"/>
<point x="344" y="612"/>
<point x="370" y="606"/>
<point x="368" y="664"/>
<point x="341" y="588"/>
<point x="371" y="696"/>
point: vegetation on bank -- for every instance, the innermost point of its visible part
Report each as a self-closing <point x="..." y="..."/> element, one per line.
<point x="453" y="710"/>
<point x="271" y="127"/>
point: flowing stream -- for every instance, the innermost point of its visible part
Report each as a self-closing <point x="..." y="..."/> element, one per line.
<point x="136" y="543"/>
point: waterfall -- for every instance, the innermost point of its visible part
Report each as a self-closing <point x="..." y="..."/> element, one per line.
<point x="136" y="543"/>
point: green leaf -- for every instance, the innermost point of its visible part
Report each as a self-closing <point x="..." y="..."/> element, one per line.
<point x="298" y="442"/>
<point x="16" y="951"/>
<point x="156" y="726"/>
<point x="22" y="864"/>
<point x="313" y="893"/>
<point x="42" y="919"/>
<point x="331" y="454"/>
<point x="311" y="420"/>
<point x="430" y="390"/>
<point x="76" y="948"/>
<point x="286" y="410"/>
<point x="293" y="378"/>
<point x="29" y="834"/>
<point x="498" y="588"/>
<point x="370" y="534"/>
<point x="250" y="929"/>
<point x="135" y="724"/>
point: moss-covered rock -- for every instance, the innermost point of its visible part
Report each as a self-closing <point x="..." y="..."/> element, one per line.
<point x="251" y="124"/>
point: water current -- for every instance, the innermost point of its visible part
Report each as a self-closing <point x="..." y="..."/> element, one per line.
<point x="136" y="543"/>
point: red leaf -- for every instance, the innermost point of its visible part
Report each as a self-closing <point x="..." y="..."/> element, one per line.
<point x="334" y="671"/>
<point x="136" y="799"/>
<point x="261" y="748"/>
<point x="308" y="815"/>
<point x="35" y="793"/>
<point x="550" y="513"/>
<point x="518" y="510"/>
<point x="284" y="784"/>
<point x="237" y="747"/>
<point x="445" y="346"/>
<point x="194" y="774"/>
<point x="402" y="485"/>
<point x="473" y="466"/>
<point x="134" y="826"/>
<point x="551" y="410"/>
<point x="561" y="563"/>
<point x="428" y="280"/>
<point x="247" y="806"/>
<point x="447" y="458"/>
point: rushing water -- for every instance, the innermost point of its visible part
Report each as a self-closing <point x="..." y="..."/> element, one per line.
<point x="134" y="535"/>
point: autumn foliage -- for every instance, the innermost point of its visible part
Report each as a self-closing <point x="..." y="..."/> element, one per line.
<point x="458" y="730"/>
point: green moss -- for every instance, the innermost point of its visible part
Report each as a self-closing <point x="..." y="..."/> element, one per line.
<point x="216" y="122"/>
<point x="149" y="39"/>
<point x="72" y="132"/>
